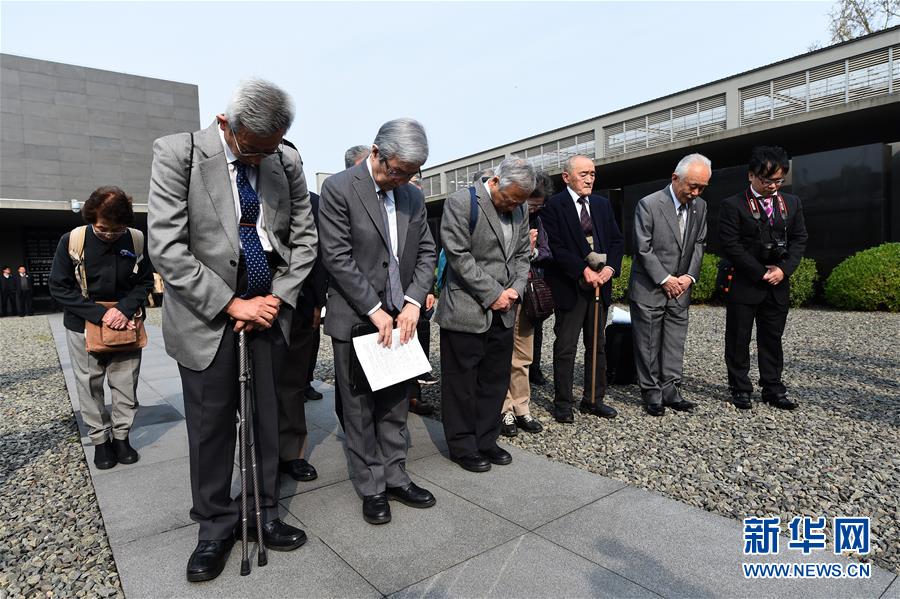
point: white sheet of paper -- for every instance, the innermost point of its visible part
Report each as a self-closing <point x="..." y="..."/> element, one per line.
<point x="385" y="366"/>
<point x="619" y="316"/>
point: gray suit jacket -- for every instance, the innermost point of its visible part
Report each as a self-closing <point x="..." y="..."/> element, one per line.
<point x="481" y="265"/>
<point x="354" y="247"/>
<point x="193" y="238"/>
<point x="660" y="251"/>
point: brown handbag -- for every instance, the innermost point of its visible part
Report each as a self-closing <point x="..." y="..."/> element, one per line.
<point x="538" y="301"/>
<point x="100" y="339"/>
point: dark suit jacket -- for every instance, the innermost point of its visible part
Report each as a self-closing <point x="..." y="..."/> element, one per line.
<point x="354" y="251"/>
<point x="739" y="239"/>
<point x="312" y="294"/>
<point x="569" y="247"/>
<point x="8" y="285"/>
<point x="18" y="283"/>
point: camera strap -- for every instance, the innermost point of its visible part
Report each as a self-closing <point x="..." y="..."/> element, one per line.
<point x="756" y="207"/>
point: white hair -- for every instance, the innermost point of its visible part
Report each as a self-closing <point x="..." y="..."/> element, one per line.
<point x="261" y="107"/>
<point x="681" y="168"/>
<point x="403" y="139"/>
<point x="516" y="171"/>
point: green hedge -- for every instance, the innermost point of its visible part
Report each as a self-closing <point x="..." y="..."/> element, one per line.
<point x="803" y="282"/>
<point x="868" y="280"/>
<point x="620" y="283"/>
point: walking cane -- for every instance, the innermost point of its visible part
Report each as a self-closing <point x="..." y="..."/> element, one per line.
<point x="594" y="349"/>
<point x="248" y="441"/>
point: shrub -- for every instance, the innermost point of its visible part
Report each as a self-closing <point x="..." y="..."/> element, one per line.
<point x="620" y="283"/>
<point x="867" y="280"/>
<point x="803" y="282"/>
<point x="705" y="288"/>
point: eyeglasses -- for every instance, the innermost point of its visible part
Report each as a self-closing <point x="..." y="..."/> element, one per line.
<point x="257" y="154"/>
<point x="394" y="173"/>
<point x="765" y="181"/>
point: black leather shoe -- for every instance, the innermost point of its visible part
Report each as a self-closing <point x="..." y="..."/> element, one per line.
<point x="564" y="415"/>
<point x="682" y="405"/>
<point x="208" y="559"/>
<point x="780" y="401"/>
<point x="277" y="535"/>
<point x="417" y="407"/>
<point x="104" y="456"/>
<point x="411" y="495"/>
<point x="655" y="409"/>
<point x="376" y="509"/>
<point x="529" y="424"/>
<point x="497" y="455"/>
<point x="508" y="425"/>
<point x="311" y="393"/>
<point x="741" y="400"/>
<point x="599" y="409"/>
<point x="537" y="377"/>
<point x="300" y="470"/>
<point x="125" y="453"/>
<point x="474" y="462"/>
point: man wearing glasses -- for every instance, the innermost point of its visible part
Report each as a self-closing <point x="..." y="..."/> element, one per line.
<point x="231" y="233"/>
<point x="763" y="238"/>
<point x="379" y="254"/>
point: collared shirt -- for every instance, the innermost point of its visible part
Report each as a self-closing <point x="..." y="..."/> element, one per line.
<point x="391" y="208"/>
<point x="252" y="175"/>
<point x="677" y="204"/>
<point x="576" y="197"/>
<point x="506" y="227"/>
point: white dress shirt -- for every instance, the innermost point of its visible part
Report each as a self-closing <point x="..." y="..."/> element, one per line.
<point x="677" y="206"/>
<point x="391" y="208"/>
<point x="252" y="174"/>
<point x="576" y="197"/>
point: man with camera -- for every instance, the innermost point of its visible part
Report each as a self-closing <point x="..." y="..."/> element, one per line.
<point x="763" y="238"/>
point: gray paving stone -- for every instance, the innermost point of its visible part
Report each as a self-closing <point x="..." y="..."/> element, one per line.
<point x="416" y="544"/>
<point x="155" y="443"/>
<point x="144" y="500"/>
<point x="531" y="491"/>
<point x="677" y="550"/>
<point x="527" y="566"/>
<point x="426" y="436"/>
<point x="154" y="567"/>
<point x="326" y="453"/>
<point x="893" y="591"/>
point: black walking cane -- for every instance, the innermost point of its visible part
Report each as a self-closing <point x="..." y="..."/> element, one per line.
<point x="248" y="442"/>
<point x="596" y="262"/>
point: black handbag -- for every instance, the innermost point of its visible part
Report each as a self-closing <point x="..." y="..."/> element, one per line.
<point x="538" y="301"/>
<point x="724" y="277"/>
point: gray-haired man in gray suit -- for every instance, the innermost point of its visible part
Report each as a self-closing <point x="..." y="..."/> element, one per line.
<point x="377" y="249"/>
<point x="231" y="233"/>
<point x="669" y="238"/>
<point x="487" y="273"/>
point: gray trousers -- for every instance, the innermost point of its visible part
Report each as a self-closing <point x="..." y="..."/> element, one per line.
<point x="659" y="334"/>
<point x="121" y="370"/>
<point x="376" y="437"/>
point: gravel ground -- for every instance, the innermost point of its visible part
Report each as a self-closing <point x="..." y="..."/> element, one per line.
<point x="837" y="455"/>
<point x="52" y="539"/>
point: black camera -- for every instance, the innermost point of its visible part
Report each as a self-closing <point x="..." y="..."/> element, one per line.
<point x="774" y="251"/>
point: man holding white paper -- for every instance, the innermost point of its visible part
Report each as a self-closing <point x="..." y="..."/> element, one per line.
<point x="376" y="246"/>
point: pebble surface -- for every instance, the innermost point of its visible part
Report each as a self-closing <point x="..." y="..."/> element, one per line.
<point x="52" y="539"/>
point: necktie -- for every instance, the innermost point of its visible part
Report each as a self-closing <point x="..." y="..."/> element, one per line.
<point x="586" y="224"/>
<point x="682" y="213"/>
<point x="259" y="278"/>
<point x="767" y="206"/>
<point x="393" y="293"/>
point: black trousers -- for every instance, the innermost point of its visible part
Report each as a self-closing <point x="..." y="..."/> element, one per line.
<point x="770" y="318"/>
<point x="210" y="405"/>
<point x="569" y="325"/>
<point x="535" y="366"/>
<point x="474" y="378"/>
<point x="8" y="303"/>
<point x="292" y="430"/>
<point x="25" y="300"/>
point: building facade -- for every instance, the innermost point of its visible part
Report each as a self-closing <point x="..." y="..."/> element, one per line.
<point x="66" y="130"/>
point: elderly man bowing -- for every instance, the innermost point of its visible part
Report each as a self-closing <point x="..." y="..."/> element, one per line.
<point x="485" y="233"/>
<point x="230" y="231"/>
<point x="379" y="253"/>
